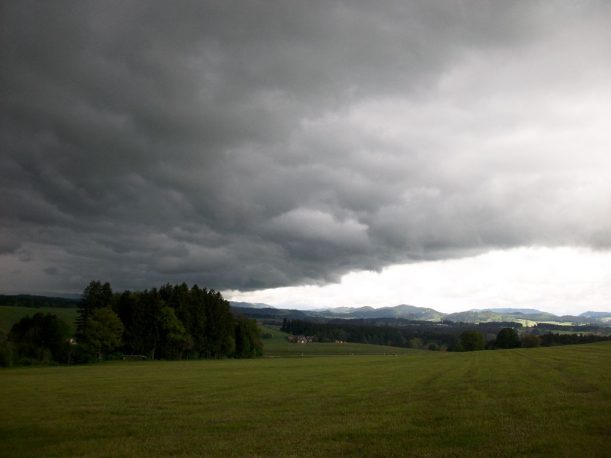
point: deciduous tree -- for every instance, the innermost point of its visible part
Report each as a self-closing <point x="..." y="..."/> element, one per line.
<point x="472" y="341"/>
<point x="96" y="295"/>
<point x="102" y="332"/>
<point x="507" y="338"/>
<point x="41" y="337"/>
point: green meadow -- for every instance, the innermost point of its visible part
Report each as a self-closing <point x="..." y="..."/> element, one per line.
<point x="525" y="402"/>
<point x="10" y="315"/>
<point x="279" y="346"/>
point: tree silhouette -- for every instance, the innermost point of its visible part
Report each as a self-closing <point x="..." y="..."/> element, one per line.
<point x="472" y="341"/>
<point x="507" y="338"/>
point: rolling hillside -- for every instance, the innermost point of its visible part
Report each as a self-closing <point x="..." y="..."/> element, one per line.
<point x="278" y="346"/>
<point x="10" y="315"/>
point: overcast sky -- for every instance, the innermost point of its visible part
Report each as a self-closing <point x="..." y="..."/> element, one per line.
<point x="449" y="154"/>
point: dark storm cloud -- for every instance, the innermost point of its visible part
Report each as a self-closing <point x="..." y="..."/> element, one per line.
<point x="257" y="144"/>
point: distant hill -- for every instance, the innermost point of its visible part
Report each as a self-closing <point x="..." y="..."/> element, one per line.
<point x="399" y="312"/>
<point x="251" y="305"/>
<point x="403" y="311"/>
<point x="537" y="316"/>
<point x="9" y="315"/>
<point x="474" y="316"/>
<point x="512" y="310"/>
<point x="410" y="312"/>
<point x="27" y="300"/>
<point x="502" y="314"/>
<point x="596" y="314"/>
<point x="271" y="313"/>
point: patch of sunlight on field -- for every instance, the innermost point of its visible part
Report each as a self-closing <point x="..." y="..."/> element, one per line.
<point x="526" y="323"/>
<point x="560" y="323"/>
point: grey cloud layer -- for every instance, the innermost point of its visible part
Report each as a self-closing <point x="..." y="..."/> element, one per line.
<point x="246" y="145"/>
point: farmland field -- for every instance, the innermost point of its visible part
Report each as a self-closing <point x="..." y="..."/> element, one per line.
<point x="278" y="346"/>
<point x="529" y="402"/>
<point x="10" y="315"/>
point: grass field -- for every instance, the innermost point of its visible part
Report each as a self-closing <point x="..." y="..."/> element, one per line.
<point x="525" y="402"/>
<point x="10" y="315"/>
<point x="279" y="346"/>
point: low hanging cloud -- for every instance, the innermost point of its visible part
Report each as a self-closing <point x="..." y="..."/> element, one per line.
<point x="246" y="145"/>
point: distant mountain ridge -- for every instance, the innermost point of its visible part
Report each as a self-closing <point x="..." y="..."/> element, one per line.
<point x="251" y="305"/>
<point x="411" y="312"/>
<point x="513" y="310"/>
<point x="34" y="301"/>
<point x="596" y="314"/>
<point x="402" y="311"/>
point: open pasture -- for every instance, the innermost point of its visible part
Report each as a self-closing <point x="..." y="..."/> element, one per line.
<point x="528" y="402"/>
<point x="279" y="346"/>
<point x="10" y="315"/>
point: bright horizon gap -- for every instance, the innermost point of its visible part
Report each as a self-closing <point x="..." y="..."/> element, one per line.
<point x="559" y="280"/>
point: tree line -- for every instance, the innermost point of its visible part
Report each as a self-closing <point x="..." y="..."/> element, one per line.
<point x="433" y="336"/>
<point x="170" y="322"/>
<point x="410" y="334"/>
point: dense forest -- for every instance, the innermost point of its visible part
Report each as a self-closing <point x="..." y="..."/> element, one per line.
<point x="171" y="322"/>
